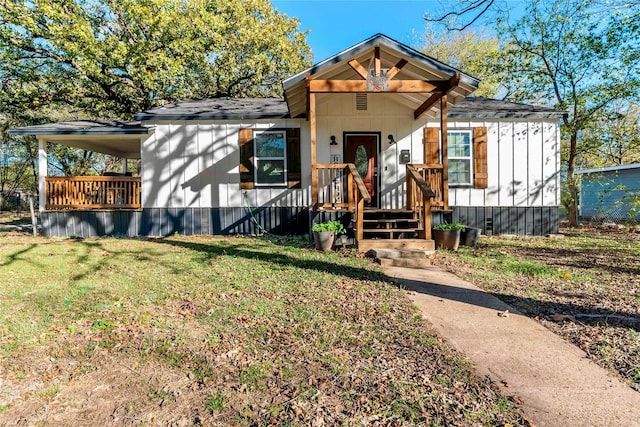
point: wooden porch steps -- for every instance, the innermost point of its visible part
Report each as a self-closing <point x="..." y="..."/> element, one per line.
<point x="407" y="244"/>
<point x="390" y="223"/>
<point x="392" y="229"/>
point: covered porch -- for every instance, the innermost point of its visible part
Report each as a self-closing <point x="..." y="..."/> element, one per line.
<point x="113" y="191"/>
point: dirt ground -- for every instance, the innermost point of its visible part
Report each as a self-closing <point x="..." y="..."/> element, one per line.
<point x="587" y="290"/>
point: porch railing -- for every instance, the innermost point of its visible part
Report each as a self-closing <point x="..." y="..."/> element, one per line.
<point x="433" y="175"/>
<point x="423" y="188"/>
<point x="92" y="192"/>
<point x="340" y="187"/>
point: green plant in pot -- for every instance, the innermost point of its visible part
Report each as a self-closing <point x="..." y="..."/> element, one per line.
<point x="324" y="234"/>
<point x="447" y="235"/>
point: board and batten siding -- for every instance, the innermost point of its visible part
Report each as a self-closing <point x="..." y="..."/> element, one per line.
<point x="195" y="164"/>
<point x="523" y="158"/>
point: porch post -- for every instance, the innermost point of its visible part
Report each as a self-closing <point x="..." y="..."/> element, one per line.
<point x="312" y="126"/>
<point x="445" y="157"/>
<point x="124" y="166"/>
<point x="42" y="174"/>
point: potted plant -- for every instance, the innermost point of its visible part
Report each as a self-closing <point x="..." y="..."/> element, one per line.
<point x="447" y="236"/>
<point x="469" y="236"/>
<point x="324" y="234"/>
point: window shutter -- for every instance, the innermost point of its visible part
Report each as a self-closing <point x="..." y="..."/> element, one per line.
<point x="245" y="140"/>
<point x="293" y="158"/>
<point x="431" y="146"/>
<point x="480" y="170"/>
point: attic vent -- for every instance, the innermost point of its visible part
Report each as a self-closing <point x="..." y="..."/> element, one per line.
<point x="361" y="102"/>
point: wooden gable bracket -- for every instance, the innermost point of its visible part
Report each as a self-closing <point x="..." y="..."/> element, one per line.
<point x="363" y="73"/>
<point x="396" y="69"/>
<point x="452" y="83"/>
<point x="397" y="86"/>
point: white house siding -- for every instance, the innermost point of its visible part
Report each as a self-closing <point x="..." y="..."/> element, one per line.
<point x="523" y="155"/>
<point x="195" y="164"/>
<point x="523" y="164"/>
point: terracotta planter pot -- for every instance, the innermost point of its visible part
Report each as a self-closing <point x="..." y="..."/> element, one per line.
<point x="324" y="240"/>
<point x="446" y="239"/>
<point x="470" y="236"/>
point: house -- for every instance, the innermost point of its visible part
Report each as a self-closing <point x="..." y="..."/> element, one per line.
<point x="379" y="135"/>
<point x="611" y="193"/>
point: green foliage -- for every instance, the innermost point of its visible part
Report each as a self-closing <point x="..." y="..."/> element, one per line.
<point x="471" y="51"/>
<point x="216" y="403"/>
<point x="575" y="56"/>
<point x="329" y="226"/>
<point x="124" y="56"/>
<point x="449" y="226"/>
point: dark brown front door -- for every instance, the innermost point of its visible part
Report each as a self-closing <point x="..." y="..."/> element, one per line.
<point x="362" y="150"/>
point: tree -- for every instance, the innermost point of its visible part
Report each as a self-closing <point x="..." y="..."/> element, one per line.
<point x="463" y="14"/>
<point x="471" y="51"/>
<point x="123" y="56"/>
<point x="613" y="138"/>
<point x="578" y="57"/>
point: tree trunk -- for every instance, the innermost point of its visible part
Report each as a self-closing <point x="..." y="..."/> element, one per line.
<point x="570" y="199"/>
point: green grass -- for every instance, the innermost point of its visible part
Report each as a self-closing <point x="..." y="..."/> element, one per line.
<point x="588" y="272"/>
<point x="251" y="331"/>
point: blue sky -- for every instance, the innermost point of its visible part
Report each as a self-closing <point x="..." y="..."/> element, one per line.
<point x="337" y="25"/>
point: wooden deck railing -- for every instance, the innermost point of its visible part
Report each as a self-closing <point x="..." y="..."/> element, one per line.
<point x="340" y="187"/>
<point x="420" y="194"/>
<point x="92" y="192"/>
<point x="433" y="175"/>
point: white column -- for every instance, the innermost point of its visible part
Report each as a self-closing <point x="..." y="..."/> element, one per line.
<point x="124" y="166"/>
<point x="42" y="173"/>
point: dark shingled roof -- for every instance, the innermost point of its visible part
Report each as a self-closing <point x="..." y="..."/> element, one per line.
<point x="83" y="127"/>
<point x="272" y="108"/>
<point x="219" y="109"/>
<point x="481" y="108"/>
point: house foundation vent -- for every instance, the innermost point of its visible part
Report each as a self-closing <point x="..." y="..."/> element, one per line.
<point x="361" y="102"/>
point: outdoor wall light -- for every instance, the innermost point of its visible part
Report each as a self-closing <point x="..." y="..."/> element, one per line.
<point x="333" y="140"/>
<point x="391" y="140"/>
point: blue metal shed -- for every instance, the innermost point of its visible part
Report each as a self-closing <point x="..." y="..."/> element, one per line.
<point x="611" y="193"/>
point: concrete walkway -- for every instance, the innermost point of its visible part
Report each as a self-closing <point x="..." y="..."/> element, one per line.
<point x="557" y="384"/>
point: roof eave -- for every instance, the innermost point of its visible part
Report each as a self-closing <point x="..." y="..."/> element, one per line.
<point x="25" y="131"/>
<point x="506" y="115"/>
<point x="160" y="117"/>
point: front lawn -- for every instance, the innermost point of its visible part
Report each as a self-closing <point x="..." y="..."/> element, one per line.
<point x="220" y="331"/>
<point x="585" y="287"/>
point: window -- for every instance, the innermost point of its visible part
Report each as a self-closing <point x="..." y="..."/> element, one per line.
<point x="270" y="158"/>
<point x="459" y="151"/>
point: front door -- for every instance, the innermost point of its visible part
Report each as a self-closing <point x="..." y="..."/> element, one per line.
<point x="362" y="150"/>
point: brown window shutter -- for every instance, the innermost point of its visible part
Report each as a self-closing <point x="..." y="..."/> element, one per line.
<point x="294" y="162"/>
<point x="480" y="170"/>
<point x="245" y="139"/>
<point x="431" y="146"/>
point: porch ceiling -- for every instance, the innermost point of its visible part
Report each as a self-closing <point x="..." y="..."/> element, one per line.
<point x="418" y="67"/>
<point x="115" y="138"/>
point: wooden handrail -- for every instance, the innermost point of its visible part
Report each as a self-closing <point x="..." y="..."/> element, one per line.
<point x="420" y="182"/>
<point x="92" y="192"/>
<point x="422" y="179"/>
<point x="359" y="182"/>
